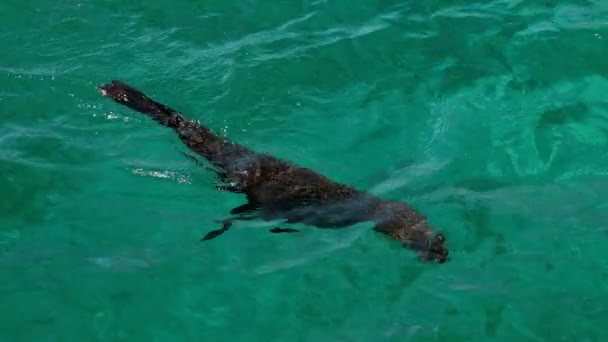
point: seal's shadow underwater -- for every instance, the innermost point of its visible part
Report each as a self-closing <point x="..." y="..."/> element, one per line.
<point x="277" y="189"/>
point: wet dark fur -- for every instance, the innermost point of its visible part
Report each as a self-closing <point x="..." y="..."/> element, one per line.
<point x="277" y="189"/>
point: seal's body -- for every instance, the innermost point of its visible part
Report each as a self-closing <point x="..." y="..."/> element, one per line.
<point x="277" y="189"/>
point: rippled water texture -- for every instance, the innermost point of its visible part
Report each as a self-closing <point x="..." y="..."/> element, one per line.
<point x="489" y="117"/>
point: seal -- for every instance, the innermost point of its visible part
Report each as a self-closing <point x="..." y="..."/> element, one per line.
<point x="278" y="189"/>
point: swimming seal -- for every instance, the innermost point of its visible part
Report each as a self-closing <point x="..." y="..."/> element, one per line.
<point x="277" y="189"/>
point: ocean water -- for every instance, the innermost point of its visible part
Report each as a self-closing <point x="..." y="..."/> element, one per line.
<point x="489" y="117"/>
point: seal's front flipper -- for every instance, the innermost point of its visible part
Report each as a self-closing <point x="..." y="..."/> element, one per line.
<point x="277" y="230"/>
<point x="215" y="233"/>
<point x="244" y="209"/>
<point x="201" y="164"/>
<point x="192" y="159"/>
<point x="227" y="223"/>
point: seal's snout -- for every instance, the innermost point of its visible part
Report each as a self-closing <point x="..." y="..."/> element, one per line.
<point x="436" y="251"/>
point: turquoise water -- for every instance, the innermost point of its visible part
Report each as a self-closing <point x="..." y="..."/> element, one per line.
<point x="491" y="118"/>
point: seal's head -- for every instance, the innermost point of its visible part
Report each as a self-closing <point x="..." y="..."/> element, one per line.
<point x="414" y="232"/>
<point x="429" y="249"/>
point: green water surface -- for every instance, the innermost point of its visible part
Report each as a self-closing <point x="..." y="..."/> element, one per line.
<point x="489" y="117"/>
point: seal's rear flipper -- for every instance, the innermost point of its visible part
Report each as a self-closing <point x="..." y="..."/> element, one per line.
<point x="126" y="95"/>
<point x="200" y="139"/>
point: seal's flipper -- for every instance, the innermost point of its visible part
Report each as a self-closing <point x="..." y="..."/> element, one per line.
<point x="200" y="139"/>
<point x="126" y="95"/>
<point x="215" y="233"/>
<point x="227" y="223"/>
<point x="194" y="160"/>
<point x="277" y="230"/>
<point x="244" y="209"/>
<point x="220" y="173"/>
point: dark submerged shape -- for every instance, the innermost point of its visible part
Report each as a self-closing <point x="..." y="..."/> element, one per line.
<point x="277" y="189"/>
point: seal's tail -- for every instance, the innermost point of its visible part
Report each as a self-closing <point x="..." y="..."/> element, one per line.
<point x="126" y="95"/>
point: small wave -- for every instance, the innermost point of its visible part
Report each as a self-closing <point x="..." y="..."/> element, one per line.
<point x="405" y="176"/>
<point x="311" y="256"/>
<point x="171" y="175"/>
